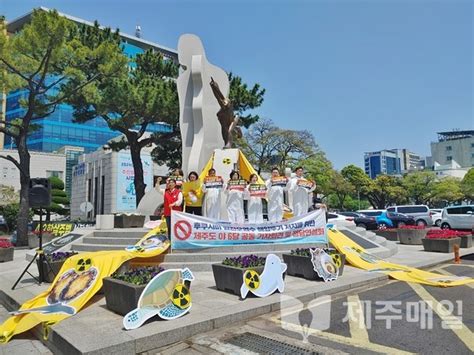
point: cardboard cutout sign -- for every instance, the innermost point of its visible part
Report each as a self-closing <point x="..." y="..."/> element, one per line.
<point x="324" y="265"/>
<point x="268" y="282"/>
<point x="78" y="280"/>
<point x="166" y="295"/>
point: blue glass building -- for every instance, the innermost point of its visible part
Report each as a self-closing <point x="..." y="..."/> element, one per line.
<point x="58" y="129"/>
<point x="382" y="162"/>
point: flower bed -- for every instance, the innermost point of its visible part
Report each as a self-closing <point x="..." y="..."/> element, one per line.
<point x="442" y="245"/>
<point x="6" y="250"/>
<point x="411" y="235"/>
<point x="299" y="263"/>
<point x="229" y="274"/>
<point x="388" y="233"/>
<point x="55" y="261"/>
<point x="466" y="237"/>
<point x="123" y="288"/>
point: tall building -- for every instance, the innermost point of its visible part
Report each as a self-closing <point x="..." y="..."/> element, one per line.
<point x="457" y="146"/>
<point x="58" y="130"/>
<point x="392" y="162"/>
<point x="43" y="165"/>
<point x="72" y="158"/>
<point x="382" y="162"/>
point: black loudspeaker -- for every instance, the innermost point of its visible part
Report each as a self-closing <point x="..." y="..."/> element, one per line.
<point x="40" y="193"/>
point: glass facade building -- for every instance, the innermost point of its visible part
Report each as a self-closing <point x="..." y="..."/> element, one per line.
<point x="58" y="129"/>
<point x="382" y="162"/>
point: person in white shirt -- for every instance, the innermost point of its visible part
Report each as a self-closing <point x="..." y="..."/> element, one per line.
<point x="276" y="185"/>
<point x="212" y="187"/>
<point x="301" y="190"/>
<point x="235" y="188"/>
<point x="254" y="196"/>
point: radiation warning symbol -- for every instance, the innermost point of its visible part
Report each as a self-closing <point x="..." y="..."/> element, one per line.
<point x="83" y="264"/>
<point x="252" y="279"/>
<point x="181" y="297"/>
<point x="226" y="161"/>
<point x="336" y="258"/>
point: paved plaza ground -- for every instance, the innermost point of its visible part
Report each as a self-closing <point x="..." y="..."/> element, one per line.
<point x="217" y="315"/>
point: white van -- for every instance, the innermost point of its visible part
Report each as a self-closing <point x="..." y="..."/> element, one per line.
<point x="458" y="217"/>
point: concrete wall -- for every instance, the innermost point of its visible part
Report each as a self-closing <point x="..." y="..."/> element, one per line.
<point x="103" y="165"/>
<point x="461" y="150"/>
<point x="42" y="166"/>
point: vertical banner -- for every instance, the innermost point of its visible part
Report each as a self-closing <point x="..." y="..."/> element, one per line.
<point x="193" y="232"/>
<point x="125" y="187"/>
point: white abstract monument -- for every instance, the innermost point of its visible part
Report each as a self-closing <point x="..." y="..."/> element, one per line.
<point x="200" y="128"/>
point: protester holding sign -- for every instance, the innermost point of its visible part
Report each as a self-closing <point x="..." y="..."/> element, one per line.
<point x="178" y="177"/>
<point x="173" y="200"/>
<point x="255" y="192"/>
<point x="235" y="189"/>
<point x="212" y="187"/>
<point x="276" y="186"/>
<point x="301" y="190"/>
<point x="192" y="192"/>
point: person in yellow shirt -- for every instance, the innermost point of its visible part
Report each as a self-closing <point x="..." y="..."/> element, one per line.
<point x="192" y="191"/>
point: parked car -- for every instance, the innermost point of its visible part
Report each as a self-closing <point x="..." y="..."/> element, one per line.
<point x="436" y="216"/>
<point x="361" y="220"/>
<point x="394" y="220"/>
<point x="350" y="214"/>
<point x="371" y="213"/>
<point x="421" y="213"/>
<point x="458" y="217"/>
<point x="332" y="217"/>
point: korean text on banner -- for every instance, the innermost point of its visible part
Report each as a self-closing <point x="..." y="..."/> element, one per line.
<point x="193" y="232"/>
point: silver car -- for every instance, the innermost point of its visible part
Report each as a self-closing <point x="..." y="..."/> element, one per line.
<point x="421" y="213"/>
<point x="458" y="217"/>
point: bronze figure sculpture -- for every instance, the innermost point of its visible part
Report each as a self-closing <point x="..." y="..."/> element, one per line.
<point x="226" y="116"/>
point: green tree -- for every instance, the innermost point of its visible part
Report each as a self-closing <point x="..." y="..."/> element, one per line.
<point x="447" y="190"/>
<point x="8" y="195"/>
<point x="132" y="102"/>
<point x="385" y="190"/>
<point x="361" y="182"/>
<point x="60" y="200"/>
<point x="260" y="144"/>
<point x="319" y="169"/>
<point x="245" y="99"/>
<point x="44" y="58"/>
<point x="467" y="185"/>
<point x="340" y="188"/>
<point x="419" y="186"/>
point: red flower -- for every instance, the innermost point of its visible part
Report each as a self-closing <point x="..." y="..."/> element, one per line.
<point x="412" y="227"/>
<point x="5" y="243"/>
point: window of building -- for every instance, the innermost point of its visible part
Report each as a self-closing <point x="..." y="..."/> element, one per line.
<point x="449" y="148"/>
<point x="449" y="158"/>
<point x="58" y="174"/>
<point x="472" y="145"/>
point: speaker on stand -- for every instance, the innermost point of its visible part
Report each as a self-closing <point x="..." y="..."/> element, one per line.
<point x="39" y="196"/>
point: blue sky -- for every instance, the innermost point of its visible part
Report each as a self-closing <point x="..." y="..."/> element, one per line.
<point x="361" y="75"/>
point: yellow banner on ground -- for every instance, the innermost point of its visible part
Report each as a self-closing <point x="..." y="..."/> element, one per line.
<point x="78" y="280"/>
<point x="358" y="257"/>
